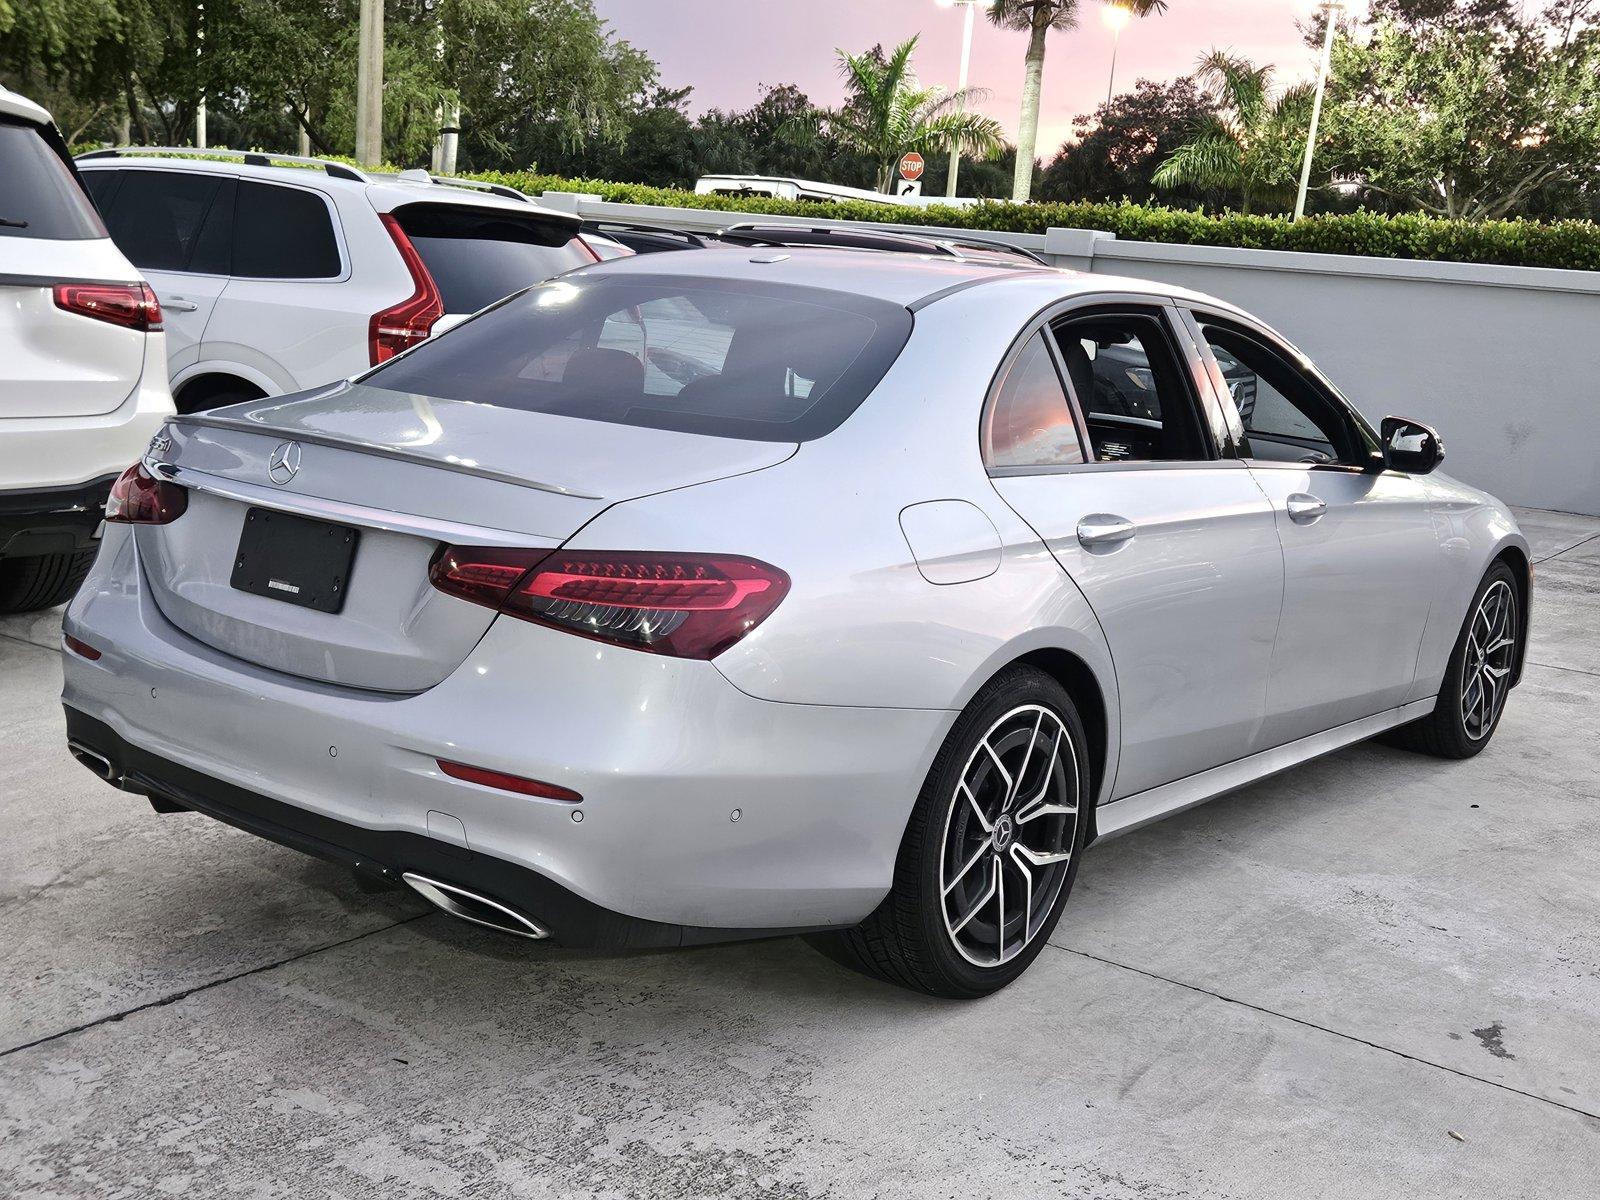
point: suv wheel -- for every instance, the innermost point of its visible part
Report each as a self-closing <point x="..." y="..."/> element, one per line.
<point x="40" y="581"/>
<point x="991" y="850"/>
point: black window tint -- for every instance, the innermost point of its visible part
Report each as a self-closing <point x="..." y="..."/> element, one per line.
<point x="282" y="233"/>
<point x="477" y="256"/>
<point x="39" y="198"/>
<point x="157" y="215"/>
<point x="725" y="358"/>
<point x="1030" y="422"/>
<point x="213" y="246"/>
<point x="102" y="187"/>
<point x="1135" y="401"/>
<point x="1286" y="417"/>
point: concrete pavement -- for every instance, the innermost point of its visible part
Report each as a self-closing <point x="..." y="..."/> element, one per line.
<point x="1377" y="975"/>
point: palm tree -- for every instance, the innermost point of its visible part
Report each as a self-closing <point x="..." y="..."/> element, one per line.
<point x="1251" y="146"/>
<point x="889" y="113"/>
<point x="1038" y="18"/>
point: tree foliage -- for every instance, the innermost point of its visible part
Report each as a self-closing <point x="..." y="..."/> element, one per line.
<point x="1116" y="149"/>
<point x="1469" y="108"/>
<point x="1249" y="146"/>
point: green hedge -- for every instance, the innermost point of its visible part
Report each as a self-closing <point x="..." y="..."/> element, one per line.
<point x="1569" y="244"/>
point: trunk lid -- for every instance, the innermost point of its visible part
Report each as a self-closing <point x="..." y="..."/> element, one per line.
<point x="409" y="473"/>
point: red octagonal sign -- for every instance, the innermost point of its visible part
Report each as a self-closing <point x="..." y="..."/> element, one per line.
<point x="911" y="166"/>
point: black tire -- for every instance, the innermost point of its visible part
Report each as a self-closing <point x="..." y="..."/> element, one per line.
<point x="40" y="581"/>
<point x="908" y="940"/>
<point x="207" y="402"/>
<point x="1446" y="732"/>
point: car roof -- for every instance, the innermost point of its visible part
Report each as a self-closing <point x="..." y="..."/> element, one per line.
<point x="911" y="280"/>
<point x="386" y="191"/>
<point x="13" y="105"/>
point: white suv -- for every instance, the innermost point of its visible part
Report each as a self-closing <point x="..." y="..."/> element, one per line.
<point x="83" y="380"/>
<point x="279" y="278"/>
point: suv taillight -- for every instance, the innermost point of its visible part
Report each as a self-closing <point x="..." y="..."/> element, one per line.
<point x="130" y="304"/>
<point x="139" y="498"/>
<point x="685" y="605"/>
<point x="411" y="321"/>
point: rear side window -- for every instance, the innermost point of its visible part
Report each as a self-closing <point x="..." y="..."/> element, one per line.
<point x="1135" y="401"/>
<point x="155" y="216"/>
<point x="39" y="198"/>
<point x="1030" y="422"/>
<point x="477" y="256"/>
<point x="283" y="233"/>
<point x="726" y="358"/>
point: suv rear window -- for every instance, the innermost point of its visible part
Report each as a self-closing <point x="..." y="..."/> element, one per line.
<point x="721" y="357"/>
<point x="283" y="233"/>
<point x="39" y="198"/>
<point x="477" y="256"/>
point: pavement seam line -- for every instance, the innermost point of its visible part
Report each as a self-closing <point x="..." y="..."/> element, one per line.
<point x="1554" y="667"/>
<point x="22" y="641"/>
<point x="1349" y="1037"/>
<point x="162" y="1002"/>
<point x="1566" y="549"/>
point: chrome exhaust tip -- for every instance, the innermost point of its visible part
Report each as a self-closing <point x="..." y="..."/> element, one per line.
<point x="469" y="906"/>
<point x="95" y="761"/>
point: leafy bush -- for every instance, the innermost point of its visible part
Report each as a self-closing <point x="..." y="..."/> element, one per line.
<point x="1567" y="244"/>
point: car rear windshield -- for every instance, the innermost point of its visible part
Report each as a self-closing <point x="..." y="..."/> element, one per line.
<point x="39" y="198"/>
<point x="477" y="256"/>
<point x="727" y="358"/>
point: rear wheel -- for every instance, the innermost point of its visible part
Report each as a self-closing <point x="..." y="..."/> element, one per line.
<point x="991" y="850"/>
<point x="40" y="581"/>
<point x="1478" y="680"/>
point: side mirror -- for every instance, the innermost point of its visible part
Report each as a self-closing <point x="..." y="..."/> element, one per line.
<point x="1410" y="446"/>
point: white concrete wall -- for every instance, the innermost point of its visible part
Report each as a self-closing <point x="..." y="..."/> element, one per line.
<point x="1504" y="361"/>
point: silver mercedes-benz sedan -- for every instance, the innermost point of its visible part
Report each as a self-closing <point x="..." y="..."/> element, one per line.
<point x="719" y="594"/>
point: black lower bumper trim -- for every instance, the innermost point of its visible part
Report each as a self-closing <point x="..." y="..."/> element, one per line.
<point x="53" y="520"/>
<point x="572" y="920"/>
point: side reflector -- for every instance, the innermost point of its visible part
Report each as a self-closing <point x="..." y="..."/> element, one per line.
<point x="508" y="783"/>
<point x="81" y="648"/>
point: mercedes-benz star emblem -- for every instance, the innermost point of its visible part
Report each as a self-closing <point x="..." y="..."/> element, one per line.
<point x="284" y="464"/>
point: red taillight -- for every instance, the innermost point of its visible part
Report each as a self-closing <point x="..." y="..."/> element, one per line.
<point x="508" y="783"/>
<point x="139" y="498"/>
<point x="685" y="605"/>
<point x="131" y="304"/>
<point x="411" y="321"/>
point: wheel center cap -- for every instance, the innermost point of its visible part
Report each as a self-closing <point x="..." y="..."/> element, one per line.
<point x="1005" y="832"/>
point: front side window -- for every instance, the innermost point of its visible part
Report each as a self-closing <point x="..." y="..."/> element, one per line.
<point x="478" y="255"/>
<point x="1135" y="402"/>
<point x="725" y="358"/>
<point x="39" y="198"/>
<point x="1286" y="416"/>
<point x="155" y="217"/>
<point x="1030" y="421"/>
<point x="282" y="233"/>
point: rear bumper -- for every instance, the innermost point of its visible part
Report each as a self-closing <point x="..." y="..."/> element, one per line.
<point x="703" y="807"/>
<point x="52" y="520"/>
<point x="387" y="853"/>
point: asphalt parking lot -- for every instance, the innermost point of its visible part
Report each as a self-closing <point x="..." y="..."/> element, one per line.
<point x="1377" y="975"/>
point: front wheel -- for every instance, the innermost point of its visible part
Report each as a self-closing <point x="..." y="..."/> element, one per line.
<point x="1478" y="679"/>
<point x="991" y="849"/>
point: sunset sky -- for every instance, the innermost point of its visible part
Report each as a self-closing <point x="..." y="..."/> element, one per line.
<point x="727" y="48"/>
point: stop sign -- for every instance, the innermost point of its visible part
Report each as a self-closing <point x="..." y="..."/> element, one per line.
<point x="911" y="166"/>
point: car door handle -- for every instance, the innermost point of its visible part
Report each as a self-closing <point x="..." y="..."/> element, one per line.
<point x="179" y="304"/>
<point x="1305" y="508"/>
<point x="1104" y="529"/>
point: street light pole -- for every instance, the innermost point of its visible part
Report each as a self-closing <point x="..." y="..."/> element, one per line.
<point x="369" y="85"/>
<point x="1116" y="18"/>
<point x="961" y="86"/>
<point x="1331" y="10"/>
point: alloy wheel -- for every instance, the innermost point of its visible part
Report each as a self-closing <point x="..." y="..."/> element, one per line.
<point x="1488" y="659"/>
<point x="1009" y="831"/>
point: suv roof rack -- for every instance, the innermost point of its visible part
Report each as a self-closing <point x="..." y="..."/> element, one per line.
<point x="892" y="241"/>
<point x="252" y="158"/>
<point x="418" y="175"/>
